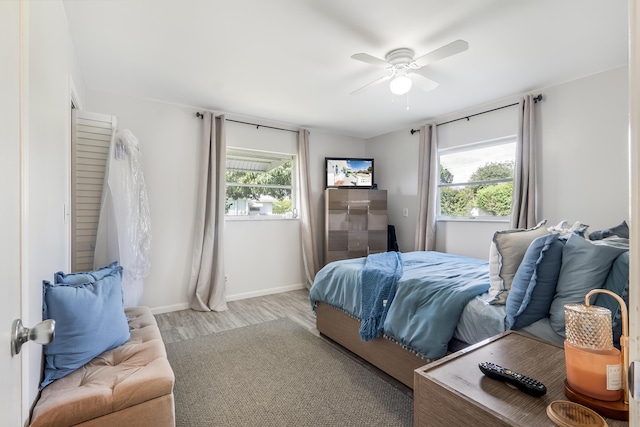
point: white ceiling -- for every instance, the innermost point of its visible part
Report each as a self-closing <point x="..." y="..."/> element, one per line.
<point x="288" y="61"/>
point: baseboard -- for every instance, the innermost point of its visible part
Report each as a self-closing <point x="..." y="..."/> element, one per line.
<point x="170" y="308"/>
<point x="233" y="297"/>
<point x="263" y="292"/>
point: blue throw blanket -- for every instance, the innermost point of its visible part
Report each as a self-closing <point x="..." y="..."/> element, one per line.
<point x="379" y="278"/>
<point x="427" y="303"/>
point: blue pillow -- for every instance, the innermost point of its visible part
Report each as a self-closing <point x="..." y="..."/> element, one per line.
<point x="89" y="319"/>
<point x="585" y="266"/>
<point x="84" y="277"/>
<point x="534" y="284"/>
<point x="617" y="282"/>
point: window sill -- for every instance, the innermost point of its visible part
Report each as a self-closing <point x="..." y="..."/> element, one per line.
<point x="472" y="219"/>
<point x="258" y="218"/>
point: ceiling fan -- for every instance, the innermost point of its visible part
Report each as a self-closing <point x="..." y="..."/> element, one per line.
<point x="401" y="66"/>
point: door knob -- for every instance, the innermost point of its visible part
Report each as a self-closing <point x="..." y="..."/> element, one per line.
<point x="43" y="333"/>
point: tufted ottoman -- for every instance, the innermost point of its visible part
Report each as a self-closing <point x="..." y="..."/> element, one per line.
<point x="131" y="385"/>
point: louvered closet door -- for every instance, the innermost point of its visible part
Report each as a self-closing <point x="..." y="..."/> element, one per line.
<point x="90" y="137"/>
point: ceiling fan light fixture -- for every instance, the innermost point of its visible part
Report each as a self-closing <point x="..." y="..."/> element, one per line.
<point x="400" y="85"/>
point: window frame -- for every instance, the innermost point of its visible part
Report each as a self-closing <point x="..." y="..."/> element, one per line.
<point x="293" y="187"/>
<point x="504" y="140"/>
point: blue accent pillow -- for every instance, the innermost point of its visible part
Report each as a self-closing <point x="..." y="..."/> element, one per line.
<point x="585" y="266"/>
<point x="534" y="284"/>
<point x="84" y="277"/>
<point x="89" y="319"/>
<point x="617" y="282"/>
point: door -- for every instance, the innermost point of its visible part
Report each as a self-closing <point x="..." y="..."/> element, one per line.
<point x="10" y="208"/>
<point x="90" y="138"/>
<point x="634" y="185"/>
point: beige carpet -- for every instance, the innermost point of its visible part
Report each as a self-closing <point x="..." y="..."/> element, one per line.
<point x="278" y="374"/>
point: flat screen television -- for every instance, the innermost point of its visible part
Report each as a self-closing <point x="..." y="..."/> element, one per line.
<point x="348" y="172"/>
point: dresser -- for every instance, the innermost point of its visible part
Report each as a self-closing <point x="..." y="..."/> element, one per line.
<point x="355" y="223"/>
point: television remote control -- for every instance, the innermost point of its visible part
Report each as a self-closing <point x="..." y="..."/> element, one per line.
<point x="526" y="384"/>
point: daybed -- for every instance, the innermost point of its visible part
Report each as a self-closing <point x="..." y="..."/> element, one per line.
<point x="446" y="302"/>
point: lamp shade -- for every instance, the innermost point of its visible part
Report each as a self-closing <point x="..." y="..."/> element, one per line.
<point x="400" y="85"/>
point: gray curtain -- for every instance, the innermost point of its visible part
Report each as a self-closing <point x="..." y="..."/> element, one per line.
<point x="207" y="288"/>
<point x="523" y="201"/>
<point x="307" y="224"/>
<point x="428" y="175"/>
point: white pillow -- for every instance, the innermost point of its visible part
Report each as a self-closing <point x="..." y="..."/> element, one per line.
<point x="507" y="250"/>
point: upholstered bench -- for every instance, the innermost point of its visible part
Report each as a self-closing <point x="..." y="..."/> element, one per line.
<point x="130" y="385"/>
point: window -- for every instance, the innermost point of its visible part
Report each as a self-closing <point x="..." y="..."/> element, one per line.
<point x="259" y="184"/>
<point x="476" y="180"/>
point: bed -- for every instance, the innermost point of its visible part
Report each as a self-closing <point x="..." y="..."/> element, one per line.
<point x="439" y="304"/>
<point x="441" y="301"/>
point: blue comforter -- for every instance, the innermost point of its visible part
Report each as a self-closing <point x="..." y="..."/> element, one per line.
<point x="430" y="296"/>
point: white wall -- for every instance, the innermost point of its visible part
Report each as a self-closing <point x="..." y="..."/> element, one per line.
<point x="261" y="256"/>
<point x="584" y="128"/>
<point x="52" y="65"/>
<point x="168" y="138"/>
<point x="396" y="170"/>
<point x="472" y="238"/>
<point x="583" y="160"/>
<point x="323" y="145"/>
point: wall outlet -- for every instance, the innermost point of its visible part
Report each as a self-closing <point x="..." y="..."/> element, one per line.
<point x="405" y="212"/>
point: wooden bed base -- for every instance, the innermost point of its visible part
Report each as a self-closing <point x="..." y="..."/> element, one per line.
<point x="382" y="353"/>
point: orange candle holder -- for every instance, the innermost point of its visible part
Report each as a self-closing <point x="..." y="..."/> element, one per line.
<point x="596" y="370"/>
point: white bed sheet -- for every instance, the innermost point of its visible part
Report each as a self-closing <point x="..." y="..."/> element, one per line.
<point x="481" y="320"/>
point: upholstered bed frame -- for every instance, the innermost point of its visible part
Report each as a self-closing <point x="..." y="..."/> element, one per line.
<point x="382" y="353"/>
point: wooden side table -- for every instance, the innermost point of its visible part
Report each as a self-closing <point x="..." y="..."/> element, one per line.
<point x="453" y="391"/>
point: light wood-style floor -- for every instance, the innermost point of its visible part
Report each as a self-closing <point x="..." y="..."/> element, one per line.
<point x="185" y="324"/>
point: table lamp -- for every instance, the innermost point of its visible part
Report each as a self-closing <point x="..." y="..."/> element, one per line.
<point x="596" y="370"/>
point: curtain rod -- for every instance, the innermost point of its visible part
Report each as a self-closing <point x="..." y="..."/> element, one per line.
<point x="201" y="116"/>
<point x="536" y="99"/>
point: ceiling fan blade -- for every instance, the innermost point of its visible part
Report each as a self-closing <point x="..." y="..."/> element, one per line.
<point x="441" y="53"/>
<point x="373" y="83"/>
<point x="424" y="83"/>
<point x="365" y="57"/>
